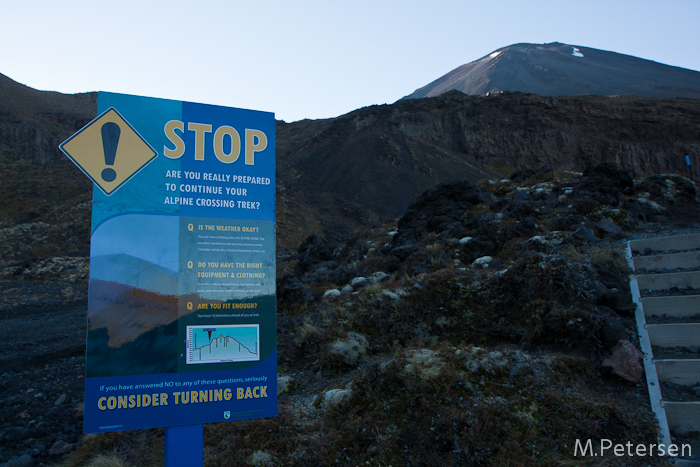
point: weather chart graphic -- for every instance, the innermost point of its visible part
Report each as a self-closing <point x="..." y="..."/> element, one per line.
<point x="223" y="344"/>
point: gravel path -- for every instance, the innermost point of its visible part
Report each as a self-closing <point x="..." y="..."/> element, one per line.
<point x="42" y="349"/>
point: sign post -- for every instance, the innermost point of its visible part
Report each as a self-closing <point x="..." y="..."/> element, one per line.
<point x="184" y="445"/>
<point x="181" y="300"/>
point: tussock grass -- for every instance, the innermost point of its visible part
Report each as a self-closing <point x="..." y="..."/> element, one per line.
<point x="611" y="260"/>
<point x="106" y="461"/>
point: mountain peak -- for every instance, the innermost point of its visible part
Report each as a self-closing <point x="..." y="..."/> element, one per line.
<point x="556" y="69"/>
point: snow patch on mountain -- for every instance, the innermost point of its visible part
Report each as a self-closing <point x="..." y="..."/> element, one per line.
<point x="576" y="52"/>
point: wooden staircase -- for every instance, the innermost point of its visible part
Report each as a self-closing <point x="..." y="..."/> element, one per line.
<point x="668" y="311"/>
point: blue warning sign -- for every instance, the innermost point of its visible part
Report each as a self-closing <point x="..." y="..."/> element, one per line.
<point x="182" y="306"/>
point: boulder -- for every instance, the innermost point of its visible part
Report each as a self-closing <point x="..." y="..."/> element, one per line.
<point x="608" y="227"/>
<point x="285" y="384"/>
<point x="25" y="460"/>
<point x="582" y="233"/>
<point x="613" y="331"/>
<point x="332" y="293"/>
<point x="618" y="300"/>
<point x="482" y="262"/>
<point x="336" y="397"/>
<point x="59" y="448"/>
<point x="612" y="173"/>
<point x="350" y="349"/>
<point x="624" y="362"/>
<point x="379" y="276"/>
<point x="358" y="282"/>
<point x="517" y="209"/>
<point x="602" y="184"/>
<point x="291" y="290"/>
<point x="404" y="251"/>
<point x="318" y="273"/>
<point x="340" y="275"/>
<point x="313" y="250"/>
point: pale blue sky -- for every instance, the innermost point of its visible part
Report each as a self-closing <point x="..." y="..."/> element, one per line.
<point x="310" y="59"/>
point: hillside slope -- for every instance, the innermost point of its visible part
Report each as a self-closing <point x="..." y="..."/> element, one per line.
<point x="33" y="123"/>
<point x="474" y="331"/>
<point x="374" y="160"/>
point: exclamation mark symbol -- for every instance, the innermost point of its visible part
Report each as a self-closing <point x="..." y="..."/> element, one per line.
<point x="110" y="141"/>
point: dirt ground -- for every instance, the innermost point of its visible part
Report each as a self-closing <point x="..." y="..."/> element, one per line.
<point x="42" y="366"/>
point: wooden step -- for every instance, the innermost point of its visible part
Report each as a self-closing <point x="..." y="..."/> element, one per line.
<point x="685" y="462"/>
<point x="688" y="260"/>
<point x="685" y="372"/>
<point x="681" y="280"/>
<point x="674" y="335"/>
<point x="682" y="413"/>
<point x="666" y="353"/>
<point x="678" y="242"/>
<point x="678" y="306"/>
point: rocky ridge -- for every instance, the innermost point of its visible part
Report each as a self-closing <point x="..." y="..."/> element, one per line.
<point x="365" y="166"/>
<point x="338" y="175"/>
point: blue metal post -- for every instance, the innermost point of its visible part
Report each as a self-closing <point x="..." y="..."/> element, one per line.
<point x="184" y="446"/>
